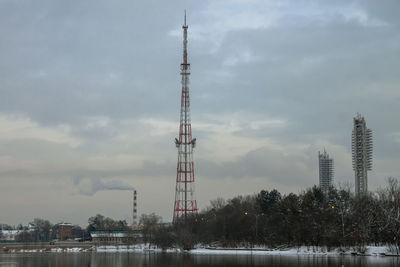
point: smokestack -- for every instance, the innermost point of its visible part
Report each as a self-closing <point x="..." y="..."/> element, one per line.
<point x="134" y="221"/>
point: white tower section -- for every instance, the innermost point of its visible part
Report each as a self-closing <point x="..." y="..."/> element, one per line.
<point x="134" y="210"/>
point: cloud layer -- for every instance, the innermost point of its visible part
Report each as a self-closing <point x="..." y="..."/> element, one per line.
<point x="90" y="95"/>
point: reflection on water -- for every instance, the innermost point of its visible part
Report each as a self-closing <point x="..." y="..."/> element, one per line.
<point x="164" y="260"/>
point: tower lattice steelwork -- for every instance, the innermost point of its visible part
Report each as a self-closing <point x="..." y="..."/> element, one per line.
<point x="185" y="201"/>
<point x="362" y="154"/>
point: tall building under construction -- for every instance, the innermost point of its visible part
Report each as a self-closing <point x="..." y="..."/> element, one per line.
<point x="362" y="154"/>
<point x="326" y="170"/>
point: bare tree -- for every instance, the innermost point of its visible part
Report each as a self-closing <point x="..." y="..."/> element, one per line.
<point x="151" y="223"/>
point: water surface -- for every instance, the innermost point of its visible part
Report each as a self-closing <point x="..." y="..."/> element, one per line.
<point x="95" y="259"/>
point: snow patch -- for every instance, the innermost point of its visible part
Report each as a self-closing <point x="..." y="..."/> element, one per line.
<point x="303" y="250"/>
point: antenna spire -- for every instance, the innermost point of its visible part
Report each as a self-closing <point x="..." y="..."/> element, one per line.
<point x="185" y="18"/>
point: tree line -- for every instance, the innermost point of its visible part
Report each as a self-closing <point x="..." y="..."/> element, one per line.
<point x="42" y="230"/>
<point x="332" y="218"/>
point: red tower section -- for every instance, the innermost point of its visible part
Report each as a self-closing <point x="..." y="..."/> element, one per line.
<point x="185" y="201"/>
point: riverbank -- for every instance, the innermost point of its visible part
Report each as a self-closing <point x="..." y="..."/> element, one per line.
<point x="46" y="247"/>
<point x="303" y="250"/>
<point x="74" y="247"/>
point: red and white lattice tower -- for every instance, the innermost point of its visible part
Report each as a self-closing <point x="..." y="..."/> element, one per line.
<point x="185" y="201"/>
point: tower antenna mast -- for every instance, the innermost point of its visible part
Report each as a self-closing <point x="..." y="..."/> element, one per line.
<point x="185" y="201"/>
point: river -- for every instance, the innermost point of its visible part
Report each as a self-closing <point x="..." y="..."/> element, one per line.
<point x="96" y="259"/>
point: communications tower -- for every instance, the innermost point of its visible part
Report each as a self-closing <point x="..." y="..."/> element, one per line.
<point x="185" y="201"/>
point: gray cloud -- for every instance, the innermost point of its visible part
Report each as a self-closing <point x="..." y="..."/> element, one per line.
<point x="266" y="163"/>
<point x="93" y="87"/>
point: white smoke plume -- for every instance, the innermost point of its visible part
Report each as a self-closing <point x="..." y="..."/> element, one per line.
<point x="90" y="185"/>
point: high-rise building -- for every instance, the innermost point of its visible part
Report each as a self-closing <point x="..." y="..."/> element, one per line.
<point x="361" y="147"/>
<point x="185" y="201"/>
<point x="326" y="170"/>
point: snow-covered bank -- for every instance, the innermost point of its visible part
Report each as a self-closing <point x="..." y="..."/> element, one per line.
<point x="18" y="250"/>
<point x="303" y="250"/>
<point x="145" y="248"/>
<point x="134" y="248"/>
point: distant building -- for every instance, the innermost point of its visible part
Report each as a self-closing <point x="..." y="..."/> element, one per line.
<point x="361" y="147"/>
<point x="64" y="231"/>
<point x="326" y="170"/>
<point x="116" y="237"/>
<point x="9" y="235"/>
<point x="31" y="227"/>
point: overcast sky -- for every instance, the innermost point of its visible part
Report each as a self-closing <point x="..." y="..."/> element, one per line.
<point x="90" y="95"/>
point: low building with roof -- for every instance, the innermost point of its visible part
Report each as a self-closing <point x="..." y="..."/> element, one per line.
<point x="9" y="235"/>
<point x="116" y="237"/>
<point x="64" y="231"/>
